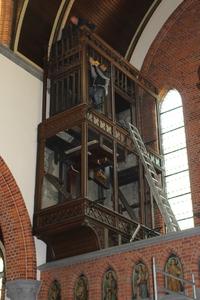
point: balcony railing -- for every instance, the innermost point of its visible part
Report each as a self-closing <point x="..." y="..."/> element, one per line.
<point x="68" y="67"/>
<point x="76" y="211"/>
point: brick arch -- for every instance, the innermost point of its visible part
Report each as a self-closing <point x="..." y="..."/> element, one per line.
<point x="168" y="27"/>
<point x="16" y="228"/>
<point x="171" y="63"/>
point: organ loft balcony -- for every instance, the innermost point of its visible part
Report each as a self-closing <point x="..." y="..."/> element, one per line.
<point x="91" y="192"/>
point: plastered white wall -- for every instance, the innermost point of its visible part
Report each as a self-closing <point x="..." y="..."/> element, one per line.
<point x="160" y="16"/>
<point x="20" y="113"/>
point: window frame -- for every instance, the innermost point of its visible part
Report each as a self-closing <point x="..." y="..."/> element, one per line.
<point x="177" y="194"/>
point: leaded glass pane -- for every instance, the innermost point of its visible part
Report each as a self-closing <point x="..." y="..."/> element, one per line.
<point x="189" y="223"/>
<point x="182" y="206"/>
<point x="172" y="119"/>
<point x="175" y="158"/>
<point x="176" y="161"/>
<point x="172" y="100"/>
<point x="178" y="184"/>
<point x="173" y="140"/>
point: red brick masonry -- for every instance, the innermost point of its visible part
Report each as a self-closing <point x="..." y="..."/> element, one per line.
<point x="16" y="228"/>
<point x="123" y="259"/>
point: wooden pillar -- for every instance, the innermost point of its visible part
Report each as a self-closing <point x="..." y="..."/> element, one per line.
<point x="141" y="169"/>
<point x="84" y="160"/>
<point x="84" y="72"/>
<point x="115" y="178"/>
<point x="39" y="174"/>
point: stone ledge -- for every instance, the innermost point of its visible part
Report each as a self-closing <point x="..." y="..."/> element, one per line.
<point x="21" y="62"/>
<point x="121" y="249"/>
<point x="25" y="289"/>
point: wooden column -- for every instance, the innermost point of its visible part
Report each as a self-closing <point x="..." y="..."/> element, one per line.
<point x="84" y="72"/>
<point x="115" y="178"/>
<point x="44" y="92"/>
<point x="141" y="169"/>
<point x="84" y="160"/>
<point x="39" y="174"/>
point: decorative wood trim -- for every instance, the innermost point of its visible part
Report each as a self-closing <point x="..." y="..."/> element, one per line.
<point x="61" y="121"/>
<point x="63" y="217"/>
<point x="116" y="59"/>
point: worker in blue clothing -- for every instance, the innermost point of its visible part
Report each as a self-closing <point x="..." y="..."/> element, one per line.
<point x="99" y="82"/>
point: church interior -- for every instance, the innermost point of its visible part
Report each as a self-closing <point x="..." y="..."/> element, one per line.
<point x="99" y="152"/>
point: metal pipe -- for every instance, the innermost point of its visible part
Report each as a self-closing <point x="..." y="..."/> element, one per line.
<point x="155" y="279"/>
<point x="194" y="287"/>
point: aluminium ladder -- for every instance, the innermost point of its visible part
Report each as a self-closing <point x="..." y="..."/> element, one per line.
<point x="153" y="181"/>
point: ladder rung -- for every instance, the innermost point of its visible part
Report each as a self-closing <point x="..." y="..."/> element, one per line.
<point x="141" y="145"/>
<point x="152" y="171"/>
<point x="139" y="140"/>
<point x="167" y="206"/>
<point x="146" y="155"/>
<point x="163" y="197"/>
<point x="136" y="133"/>
<point x="173" y="224"/>
<point x="147" y="160"/>
<point x="154" y="179"/>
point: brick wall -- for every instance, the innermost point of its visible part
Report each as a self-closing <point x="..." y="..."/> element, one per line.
<point x="172" y="62"/>
<point x="16" y="228"/>
<point x="6" y="15"/>
<point x="123" y="259"/>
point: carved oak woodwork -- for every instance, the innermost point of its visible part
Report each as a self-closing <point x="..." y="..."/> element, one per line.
<point x="89" y="179"/>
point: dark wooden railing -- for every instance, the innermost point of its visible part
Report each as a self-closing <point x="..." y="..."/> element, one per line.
<point x="71" y="212"/>
<point x="67" y="66"/>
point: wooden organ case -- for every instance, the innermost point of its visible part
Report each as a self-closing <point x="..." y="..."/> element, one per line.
<point x="91" y="191"/>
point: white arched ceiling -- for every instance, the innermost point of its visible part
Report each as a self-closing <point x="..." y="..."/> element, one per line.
<point x="159" y="17"/>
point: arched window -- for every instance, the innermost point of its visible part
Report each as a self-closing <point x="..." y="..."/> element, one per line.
<point x="2" y="273"/>
<point x="174" y="149"/>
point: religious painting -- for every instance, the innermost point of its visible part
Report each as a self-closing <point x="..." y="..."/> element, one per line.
<point x="54" y="291"/>
<point x="110" y="285"/>
<point x="173" y="267"/>
<point x="81" y="288"/>
<point x="140" y="282"/>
